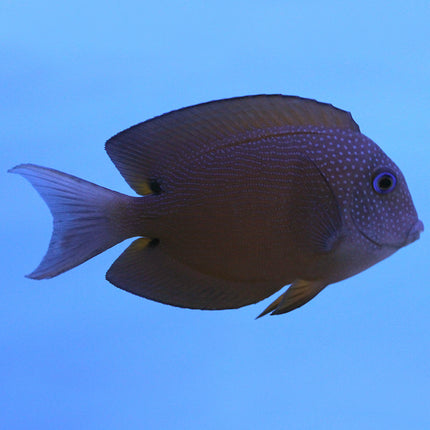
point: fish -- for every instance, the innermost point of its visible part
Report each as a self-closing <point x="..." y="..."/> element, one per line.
<point x="235" y="199"/>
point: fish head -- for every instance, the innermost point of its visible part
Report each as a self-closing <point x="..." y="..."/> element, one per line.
<point x="371" y="191"/>
<point x="381" y="205"/>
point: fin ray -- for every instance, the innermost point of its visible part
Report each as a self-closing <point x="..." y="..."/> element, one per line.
<point x="298" y="294"/>
<point x="84" y="220"/>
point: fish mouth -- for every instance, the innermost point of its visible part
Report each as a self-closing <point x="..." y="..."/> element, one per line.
<point x="412" y="235"/>
<point x="379" y="245"/>
<point x="414" y="232"/>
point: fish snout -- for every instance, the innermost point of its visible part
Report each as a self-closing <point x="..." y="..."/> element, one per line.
<point x="414" y="232"/>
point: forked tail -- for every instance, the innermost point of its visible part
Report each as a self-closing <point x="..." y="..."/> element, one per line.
<point x="88" y="219"/>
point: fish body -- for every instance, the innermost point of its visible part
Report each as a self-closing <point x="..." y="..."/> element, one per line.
<point x="240" y="197"/>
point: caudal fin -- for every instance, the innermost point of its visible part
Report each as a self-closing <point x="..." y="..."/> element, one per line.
<point x="88" y="219"/>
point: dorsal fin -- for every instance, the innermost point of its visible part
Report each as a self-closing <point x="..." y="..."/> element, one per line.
<point x="148" y="149"/>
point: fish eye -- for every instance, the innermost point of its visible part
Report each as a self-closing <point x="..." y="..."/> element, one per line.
<point x="384" y="182"/>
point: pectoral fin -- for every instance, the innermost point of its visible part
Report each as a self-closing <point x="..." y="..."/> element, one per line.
<point x="299" y="293"/>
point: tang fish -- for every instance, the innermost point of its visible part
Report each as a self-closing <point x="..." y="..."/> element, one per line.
<point x="238" y="198"/>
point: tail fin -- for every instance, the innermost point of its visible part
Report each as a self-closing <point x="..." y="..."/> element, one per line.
<point x="88" y="219"/>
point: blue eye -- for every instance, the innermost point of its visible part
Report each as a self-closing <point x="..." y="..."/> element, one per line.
<point x="384" y="182"/>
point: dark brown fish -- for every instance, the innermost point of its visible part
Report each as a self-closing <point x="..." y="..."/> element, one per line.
<point x="240" y="197"/>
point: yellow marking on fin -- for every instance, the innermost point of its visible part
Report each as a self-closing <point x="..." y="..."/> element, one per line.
<point x="143" y="189"/>
<point x="140" y="243"/>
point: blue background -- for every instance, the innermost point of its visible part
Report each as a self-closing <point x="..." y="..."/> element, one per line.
<point x="78" y="353"/>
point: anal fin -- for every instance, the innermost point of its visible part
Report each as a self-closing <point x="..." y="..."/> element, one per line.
<point x="146" y="269"/>
<point x="299" y="293"/>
